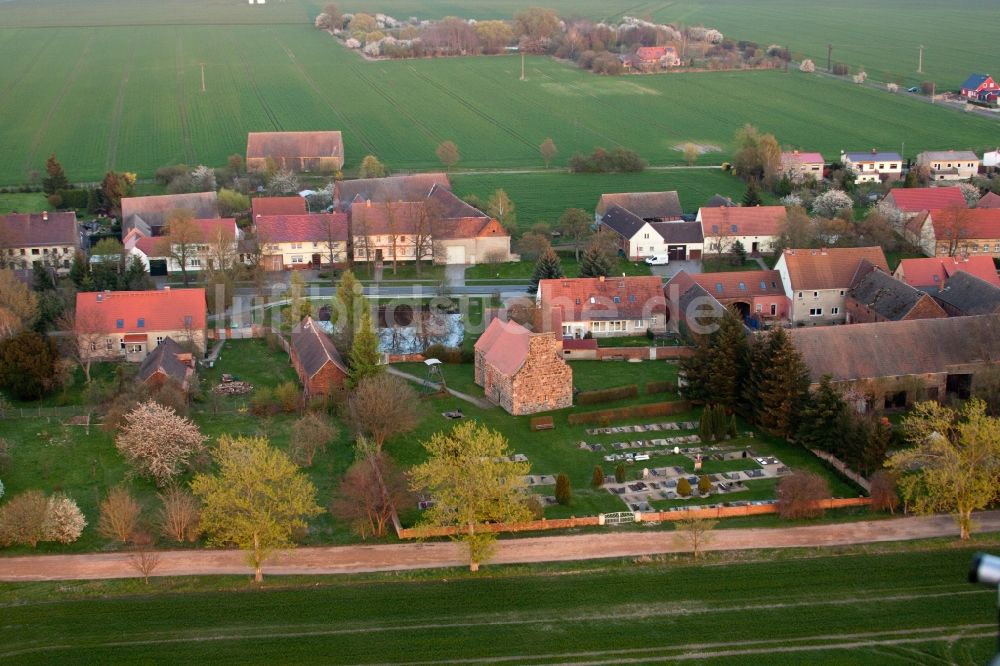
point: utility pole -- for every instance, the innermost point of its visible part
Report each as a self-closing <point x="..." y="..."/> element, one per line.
<point x="920" y="61"/>
<point x="203" y="77"/>
<point x="829" y="58"/>
<point x="522" y="65"/>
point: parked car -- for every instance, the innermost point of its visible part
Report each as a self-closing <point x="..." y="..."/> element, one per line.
<point x="914" y="89"/>
<point x="658" y="260"/>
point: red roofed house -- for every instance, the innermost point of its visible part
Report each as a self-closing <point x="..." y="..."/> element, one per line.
<point x="653" y="57"/>
<point x="149" y="214"/>
<point x="802" y="166"/>
<point x="950" y="232"/>
<point x="391" y="231"/>
<point x="463" y="234"/>
<point x="756" y="295"/>
<point x="979" y="84"/>
<point x="989" y="200"/>
<point x="302" y="241"/>
<point x="756" y="228"/>
<point x="129" y="324"/>
<point x="603" y="307"/>
<point x="295" y="205"/>
<point x="876" y="296"/>
<point x="912" y="200"/>
<point x="521" y="371"/>
<point x="932" y="273"/>
<point x="317" y="361"/>
<point x="817" y="281"/>
<point x="212" y="240"/>
<point x="47" y="239"/>
<point x="296" y="151"/>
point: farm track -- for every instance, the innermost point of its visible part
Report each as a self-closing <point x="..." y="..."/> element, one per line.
<point x="396" y="106"/>
<point x="71" y="78"/>
<point x="344" y="120"/>
<point x="182" y="111"/>
<point x="116" y="116"/>
<point x="475" y="110"/>
<point x="27" y="71"/>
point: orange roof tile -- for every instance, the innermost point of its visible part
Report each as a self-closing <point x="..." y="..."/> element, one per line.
<point x="933" y="272"/>
<point x="738" y="284"/>
<point x="302" y="228"/>
<point x="506" y="345"/>
<point x="969" y="222"/>
<point x="164" y="310"/>
<point x="915" y="199"/>
<point x="278" y="206"/>
<point x="740" y="221"/>
<point x="832" y="268"/>
<point x="294" y="144"/>
<point x="589" y="299"/>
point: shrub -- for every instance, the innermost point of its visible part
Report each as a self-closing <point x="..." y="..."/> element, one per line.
<point x="732" y="427"/>
<point x="310" y="434"/>
<point x="807" y="66"/>
<point x="832" y="202"/>
<point x="637" y="411"/>
<point x="620" y="473"/>
<point x="262" y="401"/>
<point x="883" y="492"/>
<point x="840" y="69"/>
<point x="22" y="519"/>
<point x="800" y="494"/>
<point x="683" y="487"/>
<point x="660" y="387"/>
<point x="119" y="515"/>
<point x="705" y="424"/>
<point x="64" y="522"/>
<point x="179" y="515"/>
<point x="55" y="200"/>
<point x="157" y="442"/>
<point x="288" y="396"/>
<point x="563" y="492"/>
<point x="607" y="395"/>
<point x="74" y="198"/>
<point x="535" y="506"/>
<point x="704" y="484"/>
<point x="597" y="480"/>
<point x="720" y="422"/>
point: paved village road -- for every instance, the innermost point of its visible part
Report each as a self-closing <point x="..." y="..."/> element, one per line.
<point x="358" y="559"/>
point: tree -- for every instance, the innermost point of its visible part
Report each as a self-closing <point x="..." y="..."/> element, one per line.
<point x="55" y="180"/>
<point x="730" y="361"/>
<point x="28" y="365"/>
<point x="157" y="442"/>
<point x="620" y="473"/>
<point x="473" y="483"/>
<point x="807" y="66"/>
<point x="694" y="533"/>
<point x="82" y="338"/>
<point x="493" y="36"/>
<point x="371" y="167"/>
<point x="310" y="434"/>
<point x="182" y="240"/>
<point x="883" y="491"/>
<point x="704" y="485"/>
<point x="364" y="359"/>
<point x="691" y="153"/>
<point x="203" y="179"/>
<point x="501" y="208"/>
<point x="575" y="224"/>
<point x="383" y="406"/>
<point x="596" y="262"/>
<point x="179" y="515"/>
<point x="784" y="385"/>
<point x="232" y="203"/>
<point x="954" y="462"/>
<point x="119" y="515"/>
<point x="346" y="308"/>
<point x="535" y="26"/>
<point x="143" y="558"/>
<point x="597" y="480"/>
<point x="705" y="433"/>
<point x="563" y="491"/>
<point x="447" y="152"/>
<point x="757" y="156"/>
<point x="683" y="487"/>
<point x="114" y="187"/>
<point x="822" y="415"/>
<point x="23" y="519"/>
<point x="800" y="495"/>
<point x="831" y="203"/>
<point x="257" y="501"/>
<point x="531" y="245"/>
<point x="64" y="522"/>
<point x="751" y="197"/>
<point x="547" y="268"/>
<point x="548" y="150"/>
<point x="369" y="493"/>
<point x="696" y="369"/>
<point x="18" y="305"/>
<point x="283" y="181"/>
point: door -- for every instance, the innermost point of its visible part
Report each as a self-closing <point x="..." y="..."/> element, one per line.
<point x="157" y="267"/>
<point x="317" y="260"/>
<point x="755" y="247"/>
<point x="455" y="254"/>
<point x="273" y="262"/>
<point x="378" y="254"/>
<point x="695" y="255"/>
<point x="677" y="252"/>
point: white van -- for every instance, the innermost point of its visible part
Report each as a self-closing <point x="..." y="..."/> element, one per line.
<point x="658" y="260"/>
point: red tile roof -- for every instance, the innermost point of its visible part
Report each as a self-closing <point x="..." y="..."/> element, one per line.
<point x="728" y="285"/>
<point x="832" y="268"/>
<point x="163" y="310"/>
<point x="153" y="210"/>
<point x="278" y="206"/>
<point x="378" y="219"/>
<point x="915" y="199"/>
<point x="588" y="299"/>
<point x="302" y="228"/>
<point x="970" y="222"/>
<point x="505" y="345"/>
<point x="211" y="230"/>
<point x="653" y="52"/>
<point x="754" y="221"/>
<point x="989" y="200"/>
<point x="795" y="157"/>
<point x="935" y="271"/>
<point x="467" y="227"/>
<point x="37" y="229"/>
<point x="294" y="144"/>
<point x="579" y="344"/>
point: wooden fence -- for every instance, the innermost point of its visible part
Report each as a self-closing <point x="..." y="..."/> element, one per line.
<point x="45" y="412"/>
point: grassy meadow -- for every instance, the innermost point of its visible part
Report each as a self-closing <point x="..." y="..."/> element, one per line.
<point x="129" y="95"/>
<point x="767" y="607"/>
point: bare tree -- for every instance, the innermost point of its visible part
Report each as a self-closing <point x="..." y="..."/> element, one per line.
<point x="426" y="219"/>
<point x="383" y="406"/>
<point x="362" y="238"/>
<point x="883" y="491"/>
<point x="952" y="226"/>
<point x="369" y="493"/>
<point x="800" y="495"/>
<point x="548" y="150"/>
<point x="119" y="515"/>
<point x="82" y="338"/>
<point x="178" y="517"/>
<point x="183" y="240"/>
<point x="447" y="152"/>
<point x="695" y="533"/>
<point x="143" y="558"/>
<point x="310" y="434"/>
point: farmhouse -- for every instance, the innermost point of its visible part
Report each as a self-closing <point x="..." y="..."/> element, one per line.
<point x="463" y="234"/>
<point x="637" y="238"/>
<point x="149" y="214"/>
<point x="649" y="206"/>
<point x="130" y="324"/>
<point x="391" y="231"/>
<point x="316" y="360"/>
<point x="758" y="296"/>
<point x="39" y="239"/>
<point x="873" y="167"/>
<point x="168" y="362"/>
<point x="977" y="84"/>
<point x="965" y="295"/>
<point x="877" y="296"/>
<point x="649" y="58"/>
<point x="756" y="228"/>
<point x="899" y="362"/>
<point x="956" y="231"/>
<point x="277" y="206"/>
<point x="817" y="281"/>
<point x="912" y="200"/>
<point x="800" y="166"/>
<point x="523" y="372"/>
<point x="302" y="241"/>
<point x="295" y="151"/>
<point x="392" y="188"/>
<point x="933" y="273"/>
<point x="212" y="241"/>
<point x="602" y="307"/>
<point x="950" y="164"/>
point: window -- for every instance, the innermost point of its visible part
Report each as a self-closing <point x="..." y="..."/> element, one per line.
<point x="188" y="321"/>
<point x="597" y="326"/>
<point x="835" y="311"/>
<point x="66" y="249"/>
<point x="800" y="294"/>
<point x="296" y="246"/>
<point x="881" y="166"/>
<point x="841" y="292"/>
<point x="774" y="309"/>
<point x="759" y="308"/>
<point x="718" y="287"/>
<point x="937" y="278"/>
<point x="93" y="346"/>
<point x="815" y="312"/>
<point x="743" y="286"/>
<point x="315" y="244"/>
<point x="120" y="323"/>
<point x="732" y="228"/>
<point x="893" y="166"/>
<point x="639" y="324"/>
<point x="763" y="285"/>
<point x="109" y="344"/>
<point x="617" y="299"/>
<point x="141" y="323"/>
<point x="45" y="250"/>
<point x="715" y="228"/>
<point x="195" y="262"/>
<point x="159" y="339"/>
<point x="986" y="247"/>
<point x="296" y="258"/>
<point x="133" y="349"/>
<point x="121" y="342"/>
<point x="578" y="301"/>
<point x="592" y="300"/>
<point x="567" y="330"/>
<point x="34" y="250"/>
<point x="645" y="236"/>
<point x="815" y="294"/>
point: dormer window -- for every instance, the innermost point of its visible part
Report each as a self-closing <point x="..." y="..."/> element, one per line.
<point x="592" y="300"/>
<point x="578" y="301"/>
<point x="718" y="287"/>
<point x="763" y="285"/>
<point x="733" y="228"/>
<point x="631" y="298"/>
<point x="743" y="286"/>
<point x="617" y="299"/>
<point x="120" y="323"/>
<point x="715" y="228"/>
<point x="141" y="323"/>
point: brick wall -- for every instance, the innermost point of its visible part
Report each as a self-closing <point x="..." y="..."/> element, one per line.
<point x="545" y="381"/>
<point x="641" y="353"/>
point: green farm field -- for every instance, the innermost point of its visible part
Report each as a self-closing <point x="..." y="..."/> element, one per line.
<point x="778" y="608"/>
<point x="130" y="97"/>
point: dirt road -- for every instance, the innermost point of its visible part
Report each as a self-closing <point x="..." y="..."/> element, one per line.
<point x="358" y="559"/>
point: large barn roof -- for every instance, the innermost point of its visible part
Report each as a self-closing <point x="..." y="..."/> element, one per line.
<point x="294" y="144"/>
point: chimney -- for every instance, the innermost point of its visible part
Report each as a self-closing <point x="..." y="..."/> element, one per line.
<point x="45" y="216"/>
<point x="259" y="215"/>
<point x="166" y="287"/>
<point x="874" y="151"/>
<point x="822" y="251"/>
<point x="368" y="203"/>
<point x="601" y="278"/>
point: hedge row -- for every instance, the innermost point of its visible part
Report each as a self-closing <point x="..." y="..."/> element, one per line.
<point x="607" y="395"/>
<point x="660" y="387"/>
<point x="449" y="354"/>
<point x="638" y="411"/>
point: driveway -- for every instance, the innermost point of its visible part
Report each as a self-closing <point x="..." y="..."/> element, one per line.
<point x="675" y="267"/>
<point x="455" y="274"/>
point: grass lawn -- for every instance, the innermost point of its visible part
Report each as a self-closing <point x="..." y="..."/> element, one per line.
<point x="27" y="202"/>
<point x="522" y="270"/>
<point x="724" y="265"/>
<point x="893" y="258"/>
<point x="404" y="271"/>
<point x="795" y="606"/>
